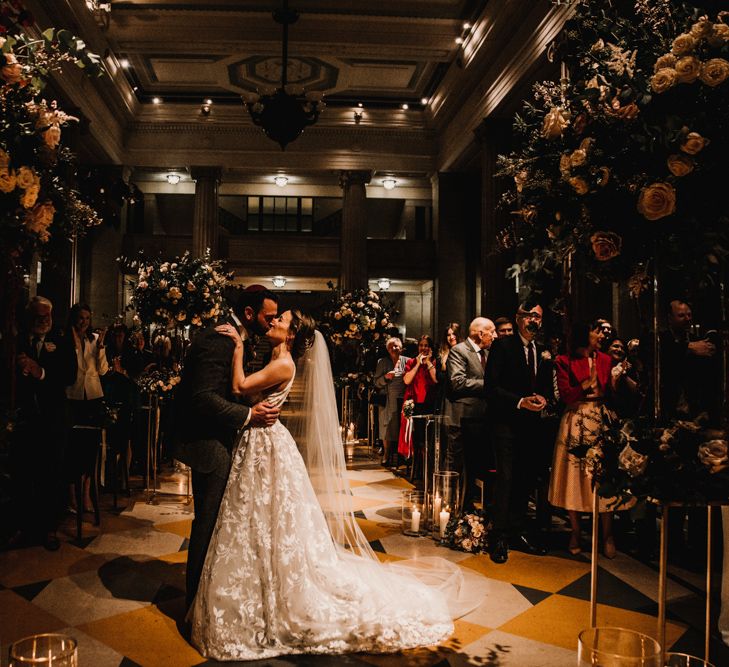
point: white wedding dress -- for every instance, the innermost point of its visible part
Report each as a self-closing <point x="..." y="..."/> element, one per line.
<point x="275" y="582"/>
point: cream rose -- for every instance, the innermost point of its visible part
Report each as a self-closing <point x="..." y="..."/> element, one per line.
<point x="7" y="180"/>
<point x="693" y="143"/>
<point x="39" y="219"/>
<point x="657" y="201"/>
<point x="12" y="70"/>
<point x="30" y="196"/>
<point x="578" y="158"/>
<point x="555" y="123"/>
<point x="702" y="28"/>
<point x="520" y="178"/>
<point x="4" y="159"/>
<point x="688" y="69"/>
<point x="25" y="177"/>
<point x="564" y="165"/>
<point x="719" y="35"/>
<point x="606" y="245"/>
<point x="664" y="79"/>
<point x="680" y="165"/>
<point x="603" y="177"/>
<point x="665" y="61"/>
<point x="714" y="71"/>
<point x="52" y="136"/>
<point x="683" y="44"/>
<point x="714" y="454"/>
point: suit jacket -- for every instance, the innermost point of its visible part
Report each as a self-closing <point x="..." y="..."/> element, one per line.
<point x="42" y="402"/>
<point x="91" y="363"/>
<point x="508" y="379"/>
<point x="465" y="396"/>
<point x="207" y="420"/>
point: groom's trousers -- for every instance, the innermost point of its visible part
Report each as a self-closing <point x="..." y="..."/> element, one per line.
<point x="207" y="489"/>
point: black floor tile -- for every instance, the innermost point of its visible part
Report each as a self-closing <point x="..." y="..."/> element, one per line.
<point x="29" y="591"/>
<point x="610" y="590"/>
<point x="534" y="595"/>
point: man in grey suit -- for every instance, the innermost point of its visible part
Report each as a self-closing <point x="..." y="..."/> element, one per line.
<point x="465" y="405"/>
<point x="208" y="421"/>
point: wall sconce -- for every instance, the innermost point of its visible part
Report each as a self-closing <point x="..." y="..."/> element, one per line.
<point x="281" y="181"/>
<point x="388" y="183"/>
<point x="383" y="283"/>
<point x="205" y="107"/>
<point x="278" y="281"/>
<point x="357" y="117"/>
<point x="173" y="179"/>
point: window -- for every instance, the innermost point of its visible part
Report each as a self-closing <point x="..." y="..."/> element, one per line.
<point x="280" y="214"/>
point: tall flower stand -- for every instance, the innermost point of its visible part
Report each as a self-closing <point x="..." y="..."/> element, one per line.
<point x="662" y="572"/>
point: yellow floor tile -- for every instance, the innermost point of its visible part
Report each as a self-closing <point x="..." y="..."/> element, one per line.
<point x="360" y="503"/>
<point x="388" y="558"/>
<point x="177" y="557"/>
<point x="113" y="523"/>
<point x="181" y="528"/>
<point x="559" y="619"/>
<point x="24" y="566"/>
<point x="545" y="573"/>
<point x="357" y="482"/>
<point x="158" y="645"/>
<point x="20" y="618"/>
<point x="395" y="483"/>
<point x="375" y="530"/>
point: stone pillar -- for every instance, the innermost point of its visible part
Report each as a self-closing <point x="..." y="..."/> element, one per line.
<point x="498" y="294"/>
<point x="456" y="231"/>
<point x="353" y="253"/>
<point x="205" y="216"/>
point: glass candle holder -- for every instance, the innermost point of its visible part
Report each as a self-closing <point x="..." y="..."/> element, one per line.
<point x="445" y="500"/>
<point x="413" y="513"/>
<point x="49" y="650"/>
<point x="685" y="660"/>
<point x="617" y="647"/>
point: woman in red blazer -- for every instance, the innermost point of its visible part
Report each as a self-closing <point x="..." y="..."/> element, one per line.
<point x="584" y="380"/>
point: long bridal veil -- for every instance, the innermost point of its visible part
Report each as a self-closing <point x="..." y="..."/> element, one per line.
<point x="314" y="423"/>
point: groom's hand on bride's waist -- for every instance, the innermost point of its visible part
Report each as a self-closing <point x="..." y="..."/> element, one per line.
<point x="263" y="414"/>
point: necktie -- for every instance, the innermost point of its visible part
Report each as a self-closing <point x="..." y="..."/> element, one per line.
<point x="35" y="346"/>
<point x="482" y="354"/>
<point x="532" y="353"/>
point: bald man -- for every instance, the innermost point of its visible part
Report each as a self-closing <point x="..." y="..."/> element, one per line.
<point x="465" y="406"/>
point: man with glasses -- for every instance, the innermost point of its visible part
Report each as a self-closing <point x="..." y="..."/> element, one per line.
<point x="518" y="385"/>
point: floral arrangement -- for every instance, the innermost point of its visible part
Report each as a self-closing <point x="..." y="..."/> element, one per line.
<point x="683" y="461"/>
<point x="158" y="381"/>
<point x="355" y="325"/>
<point x="40" y="207"/>
<point x="623" y="160"/>
<point x="177" y="293"/>
<point x="408" y="408"/>
<point x="469" y="532"/>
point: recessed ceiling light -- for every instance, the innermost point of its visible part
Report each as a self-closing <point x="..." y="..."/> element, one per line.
<point x="281" y="181"/>
<point x="423" y="100"/>
<point x="459" y="40"/>
<point x="388" y="183"/>
<point x="124" y="62"/>
<point x="359" y="104"/>
<point x="173" y="178"/>
<point x="156" y="100"/>
<point x="466" y="26"/>
<point x="208" y="101"/>
<point x="405" y="107"/>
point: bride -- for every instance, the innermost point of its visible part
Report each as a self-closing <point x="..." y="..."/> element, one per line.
<point x="288" y="569"/>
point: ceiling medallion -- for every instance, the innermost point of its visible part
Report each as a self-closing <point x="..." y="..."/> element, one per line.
<point x="285" y="113"/>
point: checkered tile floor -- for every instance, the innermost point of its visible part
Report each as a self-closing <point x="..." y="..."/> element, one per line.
<point x="119" y="591"/>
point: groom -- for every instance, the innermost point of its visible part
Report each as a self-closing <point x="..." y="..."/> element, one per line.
<point x="208" y="421"/>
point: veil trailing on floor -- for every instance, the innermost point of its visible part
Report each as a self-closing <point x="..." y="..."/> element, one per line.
<point x="313" y="421"/>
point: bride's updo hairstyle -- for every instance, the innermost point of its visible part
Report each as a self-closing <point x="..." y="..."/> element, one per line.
<point x="302" y="326"/>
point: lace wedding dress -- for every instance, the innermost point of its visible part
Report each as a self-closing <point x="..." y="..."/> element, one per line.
<point x="275" y="582"/>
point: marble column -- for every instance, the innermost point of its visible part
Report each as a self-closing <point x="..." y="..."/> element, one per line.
<point x="205" y="216"/>
<point x="498" y="294"/>
<point x="353" y="253"/>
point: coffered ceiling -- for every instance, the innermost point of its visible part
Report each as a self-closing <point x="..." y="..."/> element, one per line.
<point x="452" y="62"/>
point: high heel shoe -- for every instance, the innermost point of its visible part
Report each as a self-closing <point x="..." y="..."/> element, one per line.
<point x="574" y="548"/>
<point x="608" y="548"/>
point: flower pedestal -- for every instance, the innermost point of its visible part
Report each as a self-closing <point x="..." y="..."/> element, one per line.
<point x="445" y="500"/>
<point x="49" y="650"/>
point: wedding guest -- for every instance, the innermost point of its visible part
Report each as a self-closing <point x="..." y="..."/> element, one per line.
<point x="37" y="442"/>
<point x="451" y="338"/>
<point x="466" y="410"/>
<point x="420" y="382"/>
<point x="518" y="387"/>
<point x="504" y="327"/>
<point x="85" y="400"/>
<point x="140" y="357"/>
<point x="585" y="380"/>
<point x="389" y="378"/>
<point x="626" y="398"/>
<point x="608" y="333"/>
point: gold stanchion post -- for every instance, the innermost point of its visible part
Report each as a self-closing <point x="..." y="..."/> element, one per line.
<point x="662" y="572"/>
<point x="593" y="565"/>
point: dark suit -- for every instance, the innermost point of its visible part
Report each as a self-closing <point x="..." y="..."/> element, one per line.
<point x="465" y="412"/>
<point x="207" y="424"/>
<point x="39" y="438"/>
<point x="516" y="432"/>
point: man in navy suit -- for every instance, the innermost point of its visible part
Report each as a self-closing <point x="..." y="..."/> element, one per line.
<point x="518" y="384"/>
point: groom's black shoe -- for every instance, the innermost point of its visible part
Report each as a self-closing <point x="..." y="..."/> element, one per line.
<point x="528" y="545"/>
<point x="499" y="551"/>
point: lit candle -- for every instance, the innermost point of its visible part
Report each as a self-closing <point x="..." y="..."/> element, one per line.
<point x="436" y="508"/>
<point x="415" y="520"/>
<point x="445" y="516"/>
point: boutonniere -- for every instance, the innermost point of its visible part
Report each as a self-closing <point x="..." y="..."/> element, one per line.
<point x="49" y="347"/>
<point x="546" y="355"/>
